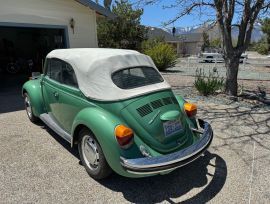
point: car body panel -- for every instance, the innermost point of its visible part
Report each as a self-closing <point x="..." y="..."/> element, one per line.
<point x="50" y="89"/>
<point x="33" y="88"/>
<point x="150" y="126"/>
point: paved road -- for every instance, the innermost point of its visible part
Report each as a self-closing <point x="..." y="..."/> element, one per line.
<point x="37" y="166"/>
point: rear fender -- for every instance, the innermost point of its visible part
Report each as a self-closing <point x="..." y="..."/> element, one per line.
<point x="33" y="89"/>
<point x="102" y="125"/>
<point x="190" y="121"/>
<point x="181" y="101"/>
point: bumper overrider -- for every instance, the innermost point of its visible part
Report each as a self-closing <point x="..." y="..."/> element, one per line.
<point x="153" y="165"/>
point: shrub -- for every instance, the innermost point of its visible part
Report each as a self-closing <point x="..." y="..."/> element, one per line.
<point x="163" y="55"/>
<point x="262" y="48"/>
<point x="150" y="43"/>
<point x="208" y="84"/>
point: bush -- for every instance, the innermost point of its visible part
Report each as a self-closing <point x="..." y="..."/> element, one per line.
<point x="207" y="85"/>
<point x="262" y="48"/>
<point x="150" y="43"/>
<point x="163" y="55"/>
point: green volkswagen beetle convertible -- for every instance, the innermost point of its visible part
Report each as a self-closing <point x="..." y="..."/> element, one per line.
<point x="116" y="108"/>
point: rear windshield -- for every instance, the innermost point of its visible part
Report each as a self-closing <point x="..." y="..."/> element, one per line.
<point x="136" y="77"/>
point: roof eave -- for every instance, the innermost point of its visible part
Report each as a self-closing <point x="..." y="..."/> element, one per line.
<point x="99" y="9"/>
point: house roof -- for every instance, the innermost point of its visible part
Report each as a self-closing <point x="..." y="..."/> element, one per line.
<point x="154" y="32"/>
<point x="191" y="37"/>
<point x="99" y="9"/>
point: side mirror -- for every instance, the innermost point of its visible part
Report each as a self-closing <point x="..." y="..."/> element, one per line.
<point x="35" y="75"/>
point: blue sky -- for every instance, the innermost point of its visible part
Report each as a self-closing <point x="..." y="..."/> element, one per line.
<point x="155" y="15"/>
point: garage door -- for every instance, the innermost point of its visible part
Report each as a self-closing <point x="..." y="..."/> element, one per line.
<point x="24" y="48"/>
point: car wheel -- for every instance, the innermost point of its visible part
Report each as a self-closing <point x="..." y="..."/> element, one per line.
<point x="28" y="108"/>
<point x="92" y="156"/>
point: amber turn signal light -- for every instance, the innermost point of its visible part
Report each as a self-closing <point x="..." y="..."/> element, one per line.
<point x="191" y="109"/>
<point x="124" y="136"/>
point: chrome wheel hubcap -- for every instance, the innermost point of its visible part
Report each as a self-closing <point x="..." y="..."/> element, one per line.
<point x="90" y="152"/>
<point x="28" y="107"/>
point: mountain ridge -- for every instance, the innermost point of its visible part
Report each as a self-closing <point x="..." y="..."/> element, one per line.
<point x="213" y="33"/>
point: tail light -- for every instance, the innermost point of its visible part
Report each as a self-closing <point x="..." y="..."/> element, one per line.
<point x="124" y="136"/>
<point x="191" y="109"/>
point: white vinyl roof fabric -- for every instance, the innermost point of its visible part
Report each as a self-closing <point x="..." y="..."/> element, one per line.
<point x="94" y="66"/>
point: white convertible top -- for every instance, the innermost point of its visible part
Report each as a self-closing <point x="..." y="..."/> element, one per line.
<point x="94" y="66"/>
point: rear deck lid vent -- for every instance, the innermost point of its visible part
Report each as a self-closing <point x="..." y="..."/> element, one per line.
<point x="144" y="110"/>
<point x="157" y="104"/>
<point x="167" y="101"/>
<point x="174" y="100"/>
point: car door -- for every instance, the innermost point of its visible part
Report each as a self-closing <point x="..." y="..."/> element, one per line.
<point x="51" y="84"/>
<point x="71" y="100"/>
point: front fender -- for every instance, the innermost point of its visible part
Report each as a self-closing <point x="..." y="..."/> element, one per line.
<point x="33" y="89"/>
<point x="102" y="124"/>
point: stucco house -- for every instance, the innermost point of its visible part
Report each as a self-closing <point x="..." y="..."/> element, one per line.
<point x="32" y="28"/>
<point x="185" y="44"/>
<point x="191" y="43"/>
<point x="154" y="32"/>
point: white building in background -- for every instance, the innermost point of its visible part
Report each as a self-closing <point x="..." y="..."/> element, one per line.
<point x="77" y="19"/>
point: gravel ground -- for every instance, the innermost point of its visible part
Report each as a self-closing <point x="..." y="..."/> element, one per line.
<point x="251" y="70"/>
<point x="37" y="166"/>
<point x="255" y="73"/>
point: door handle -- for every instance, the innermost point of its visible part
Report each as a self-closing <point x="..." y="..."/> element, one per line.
<point x="56" y="94"/>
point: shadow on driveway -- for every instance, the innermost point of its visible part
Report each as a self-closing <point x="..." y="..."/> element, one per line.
<point x="166" y="187"/>
<point x="10" y="93"/>
<point x="174" y="185"/>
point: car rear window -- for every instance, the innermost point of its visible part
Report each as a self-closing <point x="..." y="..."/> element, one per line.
<point x="136" y="77"/>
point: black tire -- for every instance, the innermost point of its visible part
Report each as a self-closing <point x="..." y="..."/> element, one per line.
<point x="102" y="169"/>
<point x="29" y="109"/>
<point x="209" y="59"/>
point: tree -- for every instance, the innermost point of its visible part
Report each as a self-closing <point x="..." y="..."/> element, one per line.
<point x="216" y="43"/>
<point x="266" y="30"/>
<point x="125" y="31"/>
<point x="228" y="13"/>
<point x="206" y="42"/>
<point x="107" y="4"/>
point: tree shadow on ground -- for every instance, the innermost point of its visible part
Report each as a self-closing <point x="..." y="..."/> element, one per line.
<point x="239" y="126"/>
<point x="170" y="71"/>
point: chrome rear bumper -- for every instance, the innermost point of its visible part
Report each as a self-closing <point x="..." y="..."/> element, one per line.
<point x="153" y="165"/>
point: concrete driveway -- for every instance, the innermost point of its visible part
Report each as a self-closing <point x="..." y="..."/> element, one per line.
<point x="37" y="166"/>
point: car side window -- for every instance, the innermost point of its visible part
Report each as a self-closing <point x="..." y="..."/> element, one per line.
<point x="55" y="70"/>
<point x="61" y="72"/>
<point x="68" y="75"/>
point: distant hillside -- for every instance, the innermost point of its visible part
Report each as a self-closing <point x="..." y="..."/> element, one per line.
<point x="213" y="33"/>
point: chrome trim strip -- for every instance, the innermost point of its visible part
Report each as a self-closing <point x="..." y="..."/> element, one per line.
<point x="171" y="161"/>
<point x="197" y="131"/>
<point x="160" y="171"/>
<point x="49" y="121"/>
<point x="154" y="117"/>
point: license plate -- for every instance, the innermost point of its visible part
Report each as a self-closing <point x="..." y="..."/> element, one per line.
<point x="172" y="127"/>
